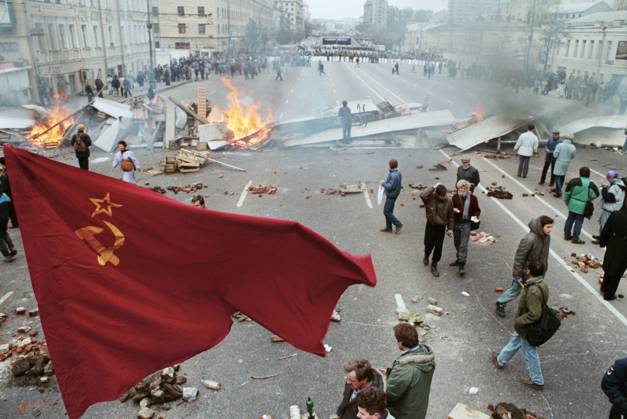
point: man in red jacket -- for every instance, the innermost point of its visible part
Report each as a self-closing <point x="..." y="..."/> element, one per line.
<point x="465" y="208"/>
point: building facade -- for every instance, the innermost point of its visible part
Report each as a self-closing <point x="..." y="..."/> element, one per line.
<point x="595" y="45"/>
<point x="376" y="13"/>
<point x="293" y="13"/>
<point x="460" y="11"/>
<point x="65" y="43"/>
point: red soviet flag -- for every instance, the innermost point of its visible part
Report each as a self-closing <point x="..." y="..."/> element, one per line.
<point x="129" y="281"/>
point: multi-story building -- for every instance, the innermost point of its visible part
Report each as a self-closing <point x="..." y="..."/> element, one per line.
<point x="376" y="13"/>
<point x="460" y="11"/>
<point x="368" y="13"/>
<point x="65" y="43"/>
<point x="293" y="13"/>
<point x="569" y="11"/>
<point x="595" y="44"/>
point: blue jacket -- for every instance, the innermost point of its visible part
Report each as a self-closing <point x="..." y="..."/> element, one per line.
<point x="392" y="184"/>
<point x="551" y="144"/>
<point x="614" y="384"/>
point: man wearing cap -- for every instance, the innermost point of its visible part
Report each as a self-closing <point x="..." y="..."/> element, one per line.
<point x="81" y="142"/>
<point x="613" y="197"/>
<point x="468" y="173"/>
<point x="549" y="158"/>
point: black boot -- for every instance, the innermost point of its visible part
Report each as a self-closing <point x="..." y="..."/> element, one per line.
<point x="456" y="263"/>
<point x="425" y="260"/>
<point x="500" y="309"/>
<point x="434" y="269"/>
<point x="462" y="271"/>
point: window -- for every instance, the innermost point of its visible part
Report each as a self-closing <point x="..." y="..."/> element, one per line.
<point x="180" y="10"/>
<point x="599" y="50"/>
<point x="610" y="51"/>
<point x="155" y="27"/>
<point x="52" y="37"/>
<point x="201" y="28"/>
<point x="219" y="32"/>
<point x="576" y="48"/>
<point x="157" y="44"/>
<point x="62" y="37"/>
<point x="182" y="28"/>
<point x="155" y="11"/>
<point x="583" y="49"/>
<point x="111" y="40"/>
<point x="590" y="50"/>
<point x="84" y="36"/>
<point x="567" y="48"/>
<point x="181" y="45"/>
<point x="72" y="36"/>
<point x="40" y="39"/>
<point x="96" y="40"/>
<point x="201" y="11"/>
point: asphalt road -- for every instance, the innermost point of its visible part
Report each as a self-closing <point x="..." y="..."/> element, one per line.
<point x="573" y="362"/>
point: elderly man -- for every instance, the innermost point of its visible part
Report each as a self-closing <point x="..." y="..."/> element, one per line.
<point x="465" y="208"/>
<point x="613" y="197"/>
<point x="468" y="173"/>
<point x="359" y="376"/>
<point x="526" y="146"/>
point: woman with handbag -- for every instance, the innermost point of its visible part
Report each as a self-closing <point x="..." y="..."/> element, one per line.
<point x="579" y="194"/>
<point x="127" y="162"/>
<point x="466" y="214"/>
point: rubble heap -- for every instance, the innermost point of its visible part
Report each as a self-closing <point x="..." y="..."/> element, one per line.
<point x="30" y="358"/>
<point x="190" y="188"/>
<point x="158" y="389"/>
<point x="584" y="262"/>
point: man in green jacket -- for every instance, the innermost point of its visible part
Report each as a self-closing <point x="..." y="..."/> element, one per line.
<point x="534" y="295"/>
<point x="579" y="192"/>
<point x="409" y="379"/>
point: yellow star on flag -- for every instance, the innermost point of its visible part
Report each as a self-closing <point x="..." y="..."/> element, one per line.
<point x="104" y="206"/>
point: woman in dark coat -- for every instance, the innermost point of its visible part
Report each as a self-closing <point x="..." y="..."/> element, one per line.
<point x="614" y="239"/>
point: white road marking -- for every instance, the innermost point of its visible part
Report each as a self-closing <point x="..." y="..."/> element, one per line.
<point x="367" y="196"/>
<point x="400" y="304"/>
<point x="242" y="197"/>
<point x="551" y="207"/>
<point x="367" y="85"/>
<point x="578" y="277"/>
<point x="382" y="86"/>
<point x="6" y="297"/>
<point x="601" y="175"/>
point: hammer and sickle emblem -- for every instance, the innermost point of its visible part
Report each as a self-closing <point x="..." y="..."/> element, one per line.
<point x="105" y="254"/>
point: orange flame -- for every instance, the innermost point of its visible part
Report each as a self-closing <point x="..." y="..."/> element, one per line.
<point x="248" y="127"/>
<point x="478" y="114"/>
<point x="54" y="137"/>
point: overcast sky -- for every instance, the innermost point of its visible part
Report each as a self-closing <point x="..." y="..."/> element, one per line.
<point x="339" y="9"/>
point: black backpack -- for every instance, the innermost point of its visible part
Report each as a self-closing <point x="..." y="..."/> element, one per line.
<point x="541" y="331"/>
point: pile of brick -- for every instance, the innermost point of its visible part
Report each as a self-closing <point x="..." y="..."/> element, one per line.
<point x="158" y="189"/>
<point x="30" y="359"/>
<point x="191" y="188"/>
<point x="263" y="189"/>
<point x="584" y="262"/>
<point x="159" y="390"/>
<point x="499" y="192"/>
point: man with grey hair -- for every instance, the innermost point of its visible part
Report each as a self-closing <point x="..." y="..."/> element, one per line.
<point x="359" y="376"/>
<point x="465" y="209"/>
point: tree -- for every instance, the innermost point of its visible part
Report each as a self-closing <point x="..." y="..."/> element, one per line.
<point x="254" y="40"/>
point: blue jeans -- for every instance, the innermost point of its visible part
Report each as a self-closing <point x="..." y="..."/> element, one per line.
<point x="512" y="292"/>
<point x="530" y="353"/>
<point x="603" y="219"/>
<point x="461" y="235"/>
<point x="577" y="219"/>
<point x="559" y="182"/>
<point x="388" y="211"/>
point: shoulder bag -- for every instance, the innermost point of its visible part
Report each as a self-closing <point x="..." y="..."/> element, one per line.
<point x="541" y="331"/>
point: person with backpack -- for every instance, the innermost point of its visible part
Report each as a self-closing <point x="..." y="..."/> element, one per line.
<point x="81" y="142"/>
<point x="126" y="160"/>
<point x="533" y="301"/>
<point x="579" y="194"/>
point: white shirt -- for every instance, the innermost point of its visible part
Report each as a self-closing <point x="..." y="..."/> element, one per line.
<point x="527" y="144"/>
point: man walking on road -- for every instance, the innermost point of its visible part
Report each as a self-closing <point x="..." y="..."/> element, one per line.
<point x="465" y="208"/>
<point x="563" y="154"/>
<point x="549" y="158"/>
<point x="613" y="197"/>
<point x="409" y="380"/>
<point x="359" y="376"/>
<point x="534" y="296"/>
<point x="533" y="247"/>
<point x="468" y="173"/>
<point x="579" y="192"/>
<point x="614" y="385"/>
<point x="614" y="239"/>
<point x="345" y="118"/>
<point x="81" y="143"/>
<point x="439" y="210"/>
<point x="392" y="188"/>
<point x="527" y="146"/>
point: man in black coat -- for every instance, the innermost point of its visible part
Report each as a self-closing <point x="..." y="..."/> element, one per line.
<point x="81" y="143"/>
<point x="468" y="173"/>
<point x="614" y="385"/>
<point x="614" y="238"/>
<point x="359" y="376"/>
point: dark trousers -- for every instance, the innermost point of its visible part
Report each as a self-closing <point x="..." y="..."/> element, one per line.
<point x="13" y="215"/>
<point x="617" y="413"/>
<point x="83" y="163"/>
<point x="434" y="239"/>
<point x="577" y="221"/>
<point x="523" y="165"/>
<point x="346" y="133"/>
<point x="610" y="284"/>
<point x="6" y="245"/>
<point x="388" y="212"/>
<point x="549" y="162"/>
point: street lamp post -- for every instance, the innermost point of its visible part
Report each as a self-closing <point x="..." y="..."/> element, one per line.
<point x="149" y="28"/>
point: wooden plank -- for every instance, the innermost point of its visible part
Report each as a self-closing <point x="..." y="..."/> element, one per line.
<point x="201" y="101"/>
<point x="170" y="125"/>
<point x="188" y="111"/>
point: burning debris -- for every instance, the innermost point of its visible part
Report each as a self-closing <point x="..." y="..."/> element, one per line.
<point x="158" y="390"/>
<point x="585" y="262"/>
<point x="49" y="131"/>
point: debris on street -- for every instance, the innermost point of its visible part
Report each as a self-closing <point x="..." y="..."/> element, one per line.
<point x="276" y="339"/>
<point x="212" y="385"/>
<point x="438" y="167"/>
<point x="499" y="192"/>
<point x="335" y="316"/>
<point x="158" y="390"/>
<point x="190" y="188"/>
<point x="158" y="189"/>
<point x="263" y="189"/>
<point x="463" y="411"/>
<point x="435" y="310"/>
<point x="20" y="311"/>
<point x="30" y="358"/>
<point x="496" y="156"/>
<point x="419" y="186"/>
<point x="263" y="377"/>
<point x="506" y="410"/>
<point x="482" y="237"/>
<point x="585" y="262"/>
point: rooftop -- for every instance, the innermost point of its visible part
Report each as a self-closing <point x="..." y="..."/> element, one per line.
<point x="616" y="15"/>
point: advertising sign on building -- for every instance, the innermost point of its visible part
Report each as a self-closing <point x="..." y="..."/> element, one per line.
<point x="336" y="40"/>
